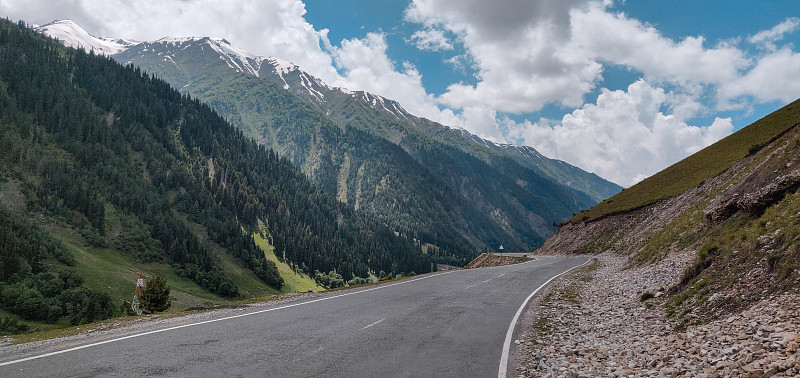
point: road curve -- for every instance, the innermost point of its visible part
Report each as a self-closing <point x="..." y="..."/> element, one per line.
<point x="450" y="324"/>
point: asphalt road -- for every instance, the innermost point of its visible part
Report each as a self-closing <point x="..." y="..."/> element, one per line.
<point x="450" y="324"/>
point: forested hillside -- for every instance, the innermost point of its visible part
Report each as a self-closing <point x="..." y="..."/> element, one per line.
<point x="454" y="196"/>
<point x="83" y="136"/>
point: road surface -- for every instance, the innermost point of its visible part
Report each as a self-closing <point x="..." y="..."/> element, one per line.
<point x="450" y="324"/>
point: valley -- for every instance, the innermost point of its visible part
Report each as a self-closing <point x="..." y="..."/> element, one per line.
<point x="285" y="225"/>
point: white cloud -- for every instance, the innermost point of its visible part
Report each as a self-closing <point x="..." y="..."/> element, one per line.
<point x="516" y="47"/>
<point x="767" y="38"/>
<point x="776" y="77"/>
<point x="621" y="40"/>
<point x="623" y="137"/>
<point x="430" y="40"/>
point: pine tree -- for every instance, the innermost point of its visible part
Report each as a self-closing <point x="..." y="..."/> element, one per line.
<point x="155" y="295"/>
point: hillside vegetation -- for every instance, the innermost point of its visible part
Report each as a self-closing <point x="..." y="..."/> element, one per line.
<point x="103" y="166"/>
<point x="432" y="183"/>
<point x="739" y="216"/>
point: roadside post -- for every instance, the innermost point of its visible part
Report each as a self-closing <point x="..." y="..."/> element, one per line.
<point x="139" y="286"/>
<point x="501" y="250"/>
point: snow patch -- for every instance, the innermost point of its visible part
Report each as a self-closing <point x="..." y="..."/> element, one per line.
<point x="72" y="35"/>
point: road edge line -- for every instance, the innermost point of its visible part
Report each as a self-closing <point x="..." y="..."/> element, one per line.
<point x="503" y="368"/>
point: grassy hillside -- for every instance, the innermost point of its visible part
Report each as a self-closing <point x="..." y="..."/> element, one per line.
<point x="703" y="165"/>
<point x="294" y="281"/>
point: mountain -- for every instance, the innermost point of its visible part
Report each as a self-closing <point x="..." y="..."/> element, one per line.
<point x="456" y="193"/>
<point x="734" y="205"/>
<point x="73" y="35"/>
<point x="106" y="171"/>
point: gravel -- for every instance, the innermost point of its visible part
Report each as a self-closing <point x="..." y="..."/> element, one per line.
<point x="593" y="323"/>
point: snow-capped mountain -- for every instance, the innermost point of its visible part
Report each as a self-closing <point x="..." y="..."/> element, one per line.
<point x="182" y="61"/>
<point x="451" y="188"/>
<point x="72" y="35"/>
<point x="277" y="70"/>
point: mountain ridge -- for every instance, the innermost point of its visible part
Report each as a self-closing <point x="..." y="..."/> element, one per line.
<point x="312" y="88"/>
<point x="475" y="194"/>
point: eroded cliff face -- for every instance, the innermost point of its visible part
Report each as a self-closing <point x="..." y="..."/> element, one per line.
<point x="743" y="226"/>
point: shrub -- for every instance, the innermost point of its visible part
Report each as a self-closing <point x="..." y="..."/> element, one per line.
<point x="646" y="295"/>
<point x="331" y="280"/>
<point x="11" y="324"/>
<point x="155" y="295"/>
<point x="358" y="281"/>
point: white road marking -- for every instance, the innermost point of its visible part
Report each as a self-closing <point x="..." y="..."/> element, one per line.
<point x="212" y="321"/>
<point x="487" y="280"/>
<point x="501" y="372"/>
<point x="501" y="275"/>
<point x="370" y="325"/>
<point x="470" y="286"/>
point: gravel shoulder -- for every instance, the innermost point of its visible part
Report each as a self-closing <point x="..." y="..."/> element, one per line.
<point x="593" y="323"/>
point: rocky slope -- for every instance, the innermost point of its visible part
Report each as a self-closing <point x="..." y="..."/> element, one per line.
<point x="594" y="323"/>
<point x="742" y="223"/>
<point x="702" y="283"/>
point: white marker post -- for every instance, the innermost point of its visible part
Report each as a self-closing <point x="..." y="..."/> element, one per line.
<point x="139" y="286"/>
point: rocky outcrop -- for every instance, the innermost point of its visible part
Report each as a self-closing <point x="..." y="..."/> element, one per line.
<point x="753" y="203"/>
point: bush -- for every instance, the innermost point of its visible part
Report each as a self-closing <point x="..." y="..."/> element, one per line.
<point x="155" y="295"/>
<point x="358" y="281"/>
<point x="11" y="325"/>
<point x="331" y="280"/>
<point x="646" y="295"/>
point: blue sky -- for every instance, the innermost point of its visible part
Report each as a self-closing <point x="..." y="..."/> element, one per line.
<point x="715" y="20"/>
<point x="619" y="88"/>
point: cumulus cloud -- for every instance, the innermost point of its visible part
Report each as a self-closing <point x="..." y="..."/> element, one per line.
<point x="621" y="40"/>
<point x="431" y="40"/>
<point x="624" y="137"/>
<point x="776" y="77"/>
<point x="516" y="47"/>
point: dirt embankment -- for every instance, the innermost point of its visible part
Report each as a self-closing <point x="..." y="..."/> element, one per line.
<point x="491" y="259"/>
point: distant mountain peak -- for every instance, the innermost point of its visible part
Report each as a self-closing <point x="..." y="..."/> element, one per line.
<point x="72" y="35"/>
<point x="283" y="72"/>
